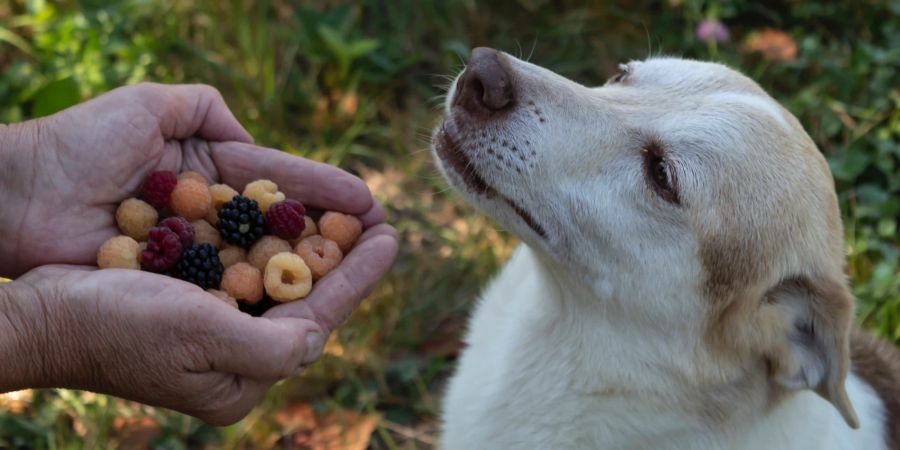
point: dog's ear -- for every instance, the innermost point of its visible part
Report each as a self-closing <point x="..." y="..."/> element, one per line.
<point x="815" y="354"/>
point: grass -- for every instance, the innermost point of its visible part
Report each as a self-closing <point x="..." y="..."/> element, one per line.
<point x="358" y="84"/>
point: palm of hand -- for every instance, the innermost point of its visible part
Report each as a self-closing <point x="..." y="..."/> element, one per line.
<point x="92" y="167"/>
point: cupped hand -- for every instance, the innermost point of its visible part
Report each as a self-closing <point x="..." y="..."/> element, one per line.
<point x="156" y="340"/>
<point x="66" y="174"/>
<point x="143" y="336"/>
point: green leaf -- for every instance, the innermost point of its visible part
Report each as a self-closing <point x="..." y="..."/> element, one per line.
<point x="55" y="96"/>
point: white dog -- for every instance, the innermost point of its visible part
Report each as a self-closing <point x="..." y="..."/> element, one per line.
<point x="681" y="283"/>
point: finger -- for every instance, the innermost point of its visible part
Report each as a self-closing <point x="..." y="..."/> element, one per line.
<point x="266" y="349"/>
<point x="312" y="183"/>
<point x="374" y="215"/>
<point x="340" y="292"/>
<point x="186" y="111"/>
<point x="238" y="397"/>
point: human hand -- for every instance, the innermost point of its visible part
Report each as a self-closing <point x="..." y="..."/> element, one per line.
<point x="153" y="339"/>
<point x="64" y="175"/>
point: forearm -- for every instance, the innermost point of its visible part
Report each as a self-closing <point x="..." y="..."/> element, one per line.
<point x="20" y="355"/>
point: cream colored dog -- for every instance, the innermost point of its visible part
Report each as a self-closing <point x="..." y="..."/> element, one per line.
<point x="681" y="283"/>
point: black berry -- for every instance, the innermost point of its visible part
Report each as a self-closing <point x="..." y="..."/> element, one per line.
<point x="241" y="222"/>
<point x="199" y="264"/>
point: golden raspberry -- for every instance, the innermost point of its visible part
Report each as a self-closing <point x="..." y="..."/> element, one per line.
<point x="309" y="230"/>
<point x="265" y="248"/>
<point x="120" y="252"/>
<point x="231" y="255"/>
<point x="243" y="282"/>
<point x="191" y="199"/>
<point x="204" y="233"/>
<point x="265" y="193"/>
<point x="319" y="254"/>
<point x="287" y="277"/>
<point x="222" y="295"/>
<point x="135" y="218"/>
<point x="341" y="228"/>
<point x="191" y="175"/>
<point x="220" y="193"/>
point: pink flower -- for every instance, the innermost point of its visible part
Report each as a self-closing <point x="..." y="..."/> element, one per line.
<point x="712" y="30"/>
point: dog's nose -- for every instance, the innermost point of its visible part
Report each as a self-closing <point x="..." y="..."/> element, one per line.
<point x="486" y="84"/>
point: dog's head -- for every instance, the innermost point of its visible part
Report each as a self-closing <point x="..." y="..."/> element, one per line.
<point x="678" y="189"/>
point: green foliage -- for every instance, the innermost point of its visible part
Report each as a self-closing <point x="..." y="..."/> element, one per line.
<point x="358" y="84"/>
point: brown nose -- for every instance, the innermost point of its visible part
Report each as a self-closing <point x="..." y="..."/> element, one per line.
<point x="485" y="86"/>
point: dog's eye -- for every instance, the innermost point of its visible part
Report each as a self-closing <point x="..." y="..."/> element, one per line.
<point x="660" y="175"/>
<point x="624" y="71"/>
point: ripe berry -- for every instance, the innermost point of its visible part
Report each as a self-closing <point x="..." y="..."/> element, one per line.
<point x="163" y="250"/>
<point x="157" y="188"/>
<point x="241" y="222"/>
<point x="199" y="264"/>
<point x="181" y="227"/>
<point x="285" y="219"/>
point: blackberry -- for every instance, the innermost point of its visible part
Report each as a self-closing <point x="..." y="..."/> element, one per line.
<point x="199" y="264"/>
<point x="241" y="222"/>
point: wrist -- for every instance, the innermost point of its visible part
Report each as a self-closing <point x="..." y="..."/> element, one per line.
<point x="18" y="143"/>
<point x="20" y="353"/>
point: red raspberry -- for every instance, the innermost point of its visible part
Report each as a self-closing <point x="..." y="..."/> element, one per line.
<point x="163" y="250"/>
<point x="285" y="219"/>
<point x="157" y="188"/>
<point x="181" y="227"/>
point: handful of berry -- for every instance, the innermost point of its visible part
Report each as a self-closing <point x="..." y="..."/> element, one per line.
<point x="252" y="249"/>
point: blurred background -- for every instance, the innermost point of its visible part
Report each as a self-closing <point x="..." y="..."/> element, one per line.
<point x="359" y="84"/>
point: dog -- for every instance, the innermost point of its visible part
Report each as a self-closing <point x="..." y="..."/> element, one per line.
<point x="680" y="282"/>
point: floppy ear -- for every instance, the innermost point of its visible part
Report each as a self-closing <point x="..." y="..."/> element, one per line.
<point x="816" y="352"/>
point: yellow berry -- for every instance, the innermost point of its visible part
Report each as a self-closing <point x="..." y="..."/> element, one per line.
<point x="120" y="252"/>
<point x="204" y="233"/>
<point x="265" y="193"/>
<point x="287" y="278"/>
<point x="265" y="248"/>
<point x="135" y="218"/>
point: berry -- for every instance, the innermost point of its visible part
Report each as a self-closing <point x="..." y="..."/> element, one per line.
<point x="231" y="255"/>
<point x="319" y="254"/>
<point x="181" y="227"/>
<point x="135" y="218"/>
<point x="243" y="282"/>
<point x="341" y="228"/>
<point x="163" y="250"/>
<point x="265" y="193"/>
<point x="190" y="174"/>
<point x="287" y="278"/>
<point x="191" y="199"/>
<point x="120" y="252"/>
<point x="221" y="193"/>
<point x="206" y="233"/>
<point x="199" y="264"/>
<point x="309" y="229"/>
<point x="240" y="221"/>
<point x="265" y="248"/>
<point x="157" y="188"/>
<point x="285" y="219"/>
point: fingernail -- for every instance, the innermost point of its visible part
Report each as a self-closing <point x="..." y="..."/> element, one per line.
<point x="314" y="343"/>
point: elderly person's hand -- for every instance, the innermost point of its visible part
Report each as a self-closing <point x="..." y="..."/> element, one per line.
<point x="135" y="334"/>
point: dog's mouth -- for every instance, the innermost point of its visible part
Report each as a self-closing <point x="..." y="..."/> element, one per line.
<point x="449" y="151"/>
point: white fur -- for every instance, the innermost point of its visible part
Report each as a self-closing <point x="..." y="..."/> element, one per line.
<point x="596" y="335"/>
<point x="536" y="375"/>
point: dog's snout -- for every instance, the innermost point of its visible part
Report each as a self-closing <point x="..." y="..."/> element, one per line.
<point x="486" y="85"/>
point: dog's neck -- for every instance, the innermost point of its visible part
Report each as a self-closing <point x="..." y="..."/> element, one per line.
<point x="642" y="367"/>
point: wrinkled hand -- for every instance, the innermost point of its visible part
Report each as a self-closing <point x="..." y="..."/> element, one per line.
<point x="157" y="340"/>
<point x="143" y="336"/>
<point x="64" y="175"/>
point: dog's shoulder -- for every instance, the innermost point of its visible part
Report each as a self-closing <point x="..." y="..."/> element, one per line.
<point x="877" y="363"/>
